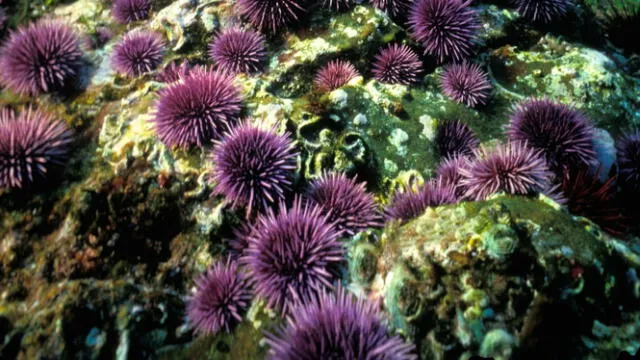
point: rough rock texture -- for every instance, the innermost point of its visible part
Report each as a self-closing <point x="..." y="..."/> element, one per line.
<point x="98" y="262"/>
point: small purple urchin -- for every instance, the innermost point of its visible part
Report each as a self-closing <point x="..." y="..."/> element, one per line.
<point x="198" y="109"/>
<point x="253" y="167"/>
<point x="337" y="5"/>
<point x="348" y="204"/>
<point x="126" y="11"/>
<point x="174" y="71"/>
<point x="337" y="326"/>
<point x="334" y="75"/>
<point x="411" y="204"/>
<point x="271" y="15"/>
<point x="137" y="53"/>
<point x="222" y="296"/>
<point x="238" y="51"/>
<point x="32" y="144"/>
<point x="513" y="168"/>
<point x="393" y="7"/>
<point x="466" y="83"/>
<point x="455" y="138"/>
<point x="294" y="256"/>
<point x="40" y="58"/>
<point x="628" y="154"/>
<point x="446" y="28"/>
<point x="562" y="134"/>
<point x="397" y="64"/>
<point x="448" y="172"/>
<point x="543" y="10"/>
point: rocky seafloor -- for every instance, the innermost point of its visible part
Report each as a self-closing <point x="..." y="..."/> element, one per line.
<point x="99" y="258"/>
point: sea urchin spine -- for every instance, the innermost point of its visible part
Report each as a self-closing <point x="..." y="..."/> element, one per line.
<point x="397" y="64"/>
<point x="40" y="58"/>
<point x="466" y="83"/>
<point x="198" y="109"/>
<point x="337" y="326"/>
<point x="137" y="53"/>
<point x="294" y="256"/>
<point x="253" y="167"/>
<point x="446" y="28"/>
<point x="222" y="296"/>
<point x="238" y="51"/>
<point x="351" y="208"/>
<point x="334" y="75"/>
<point x="271" y="15"/>
<point x="32" y="144"/>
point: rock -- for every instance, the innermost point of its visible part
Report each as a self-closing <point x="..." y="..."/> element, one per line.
<point x="502" y="276"/>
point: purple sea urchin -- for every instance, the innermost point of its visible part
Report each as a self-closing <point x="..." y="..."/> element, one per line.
<point x="397" y="64"/>
<point x="271" y="15"/>
<point x="513" y="168"/>
<point x="137" y="53"/>
<point x="334" y="75"/>
<point x="466" y="83"/>
<point x="348" y="204"/>
<point x="174" y="71"/>
<point x="295" y="255"/>
<point x="562" y="134"/>
<point x="448" y="172"/>
<point x="40" y="58"/>
<point x="32" y="144"/>
<point x="337" y="5"/>
<point x="253" y="167"/>
<point x="126" y="11"/>
<point x="222" y="296"/>
<point x="628" y="154"/>
<point x="337" y="326"/>
<point x="411" y="204"/>
<point x="543" y="10"/>
<point x="393" y="7"/>
<point x="240" y="241"/>
<point x="446" y="28"/>
<point x="198" y="109"/>
<point x="238" y="51"/>
<point x="455" y="138"/>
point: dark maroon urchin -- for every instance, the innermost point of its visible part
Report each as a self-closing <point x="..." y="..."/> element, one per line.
<point x="240" y="241"/>
<point x="198" y="109"/>
<point x="466" y="83"/>
<point x="271" y="15"/>
<point x="126" y="11"/>
<point x="32" y="145"/>
<point x="174" y="71"/>
<point x="294" y="257"/>
<point x="587" y="196"/>
<point x="337" y="326"/>
<point x="448" y="172"/>
<point x="543" y="10"/>
<point x="337" y="5"/>
<point x="628" y="154"/>
<point x="411" y="204"/>
<point x="222" y="296"/>
<point x="563" y="135"/>
<point x="350" y="207"/>
<point x="395" y="8"/>
<point x="446" y="28"/>
<point x="513" y="168"/>
<point x="253" y="167"/>
<point x="397" y="64"/>
<point x="137" y="53"/>
<point x="454" y="137"/>
<point x="238" y="51"/>
<point x="41" y="57"/>
<point x="334" y="75"/>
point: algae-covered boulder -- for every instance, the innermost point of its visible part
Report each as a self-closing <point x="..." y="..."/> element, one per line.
<point x="505" y="278"/>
